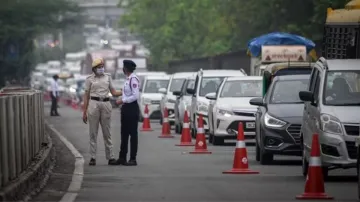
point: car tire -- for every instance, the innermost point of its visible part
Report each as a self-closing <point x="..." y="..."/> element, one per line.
<point x="325" y="172"/>
<point x="177" y="128"/>
<point x="358" y="183"/>
<point x="265" y="158"/>
<point x="304" y="164"/>
<point x="211" y="138"/>
<point x="217" y="140"/>
<point x="161" y="121"/>
<point x="257" y="152"/>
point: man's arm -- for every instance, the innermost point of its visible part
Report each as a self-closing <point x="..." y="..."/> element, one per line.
<point x="134" y="82"/>
<point x="53" y="88"/>
<point x="86" y="97"/>
<point x="112" y="89"/>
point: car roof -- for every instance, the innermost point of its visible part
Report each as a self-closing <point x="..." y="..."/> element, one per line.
<point x="292" y="77"/>
<point x="159" y="77"/>
<point x="183" y="75"/>
<point x="343" y="64"/>
<point x="222" y="72"/>
<point x="240" y="78"/>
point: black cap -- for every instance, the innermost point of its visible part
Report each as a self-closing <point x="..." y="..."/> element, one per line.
<point x="129" y="64"/>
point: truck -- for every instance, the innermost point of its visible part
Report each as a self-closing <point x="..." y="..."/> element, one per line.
<point x="341" y="32"/>
<point x="110" y="57"/>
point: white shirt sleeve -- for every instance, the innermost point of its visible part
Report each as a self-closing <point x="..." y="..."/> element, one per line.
<point x="134" y="86"/>
<point x="54" y="87"/>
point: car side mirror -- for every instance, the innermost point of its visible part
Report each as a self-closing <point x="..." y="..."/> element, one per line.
<point x="190" y="91"/>
<point x="211" y="96"/>
<point x="306" y="96"/>
<point x="177" y="93"/>
<point x="162" y="90"/>
<point x="258" y="101"/>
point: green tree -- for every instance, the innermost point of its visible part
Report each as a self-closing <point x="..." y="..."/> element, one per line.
<point x="21" y="21"/>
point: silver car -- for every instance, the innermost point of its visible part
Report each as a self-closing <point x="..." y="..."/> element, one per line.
<point x="332" y="105"/>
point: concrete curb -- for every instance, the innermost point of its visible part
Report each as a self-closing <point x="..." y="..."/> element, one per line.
<point x="78" y="174"/>
<point x="34" y="178"/>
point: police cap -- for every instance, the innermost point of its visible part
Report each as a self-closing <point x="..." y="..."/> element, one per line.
<point x="129" y="64"/>
<point x="97" y="62"/>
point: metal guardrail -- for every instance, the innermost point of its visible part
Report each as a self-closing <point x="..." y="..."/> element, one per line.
<point x="21" y="130"/>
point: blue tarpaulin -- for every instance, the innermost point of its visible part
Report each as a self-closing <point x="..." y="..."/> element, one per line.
<point x="278" y="38"/>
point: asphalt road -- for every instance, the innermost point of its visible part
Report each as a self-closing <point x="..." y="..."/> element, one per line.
<point x="168" y="173"/>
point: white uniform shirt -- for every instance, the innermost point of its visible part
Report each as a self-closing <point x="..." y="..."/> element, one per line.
<point x="54" y="87"/>
<point x="131" y="89"/>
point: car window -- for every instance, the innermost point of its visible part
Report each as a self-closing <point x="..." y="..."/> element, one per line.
<point x="287" y="92"/>
<point x="176" y="84"/>
<point x="209" y="85"/>
<point x="342" y="88"/>
<point x="153" y="86"/>
<point x="244" y="88"/>
<point x="190" y="84"/>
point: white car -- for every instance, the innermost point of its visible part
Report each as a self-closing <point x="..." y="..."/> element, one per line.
<point x="176" y="82"/>
<point x="151" y="96"/>
<point x="207" y="81"/>
<point x="142" y="75"/>
<point x="183" y="103"/>
<point x="230" y="105"/>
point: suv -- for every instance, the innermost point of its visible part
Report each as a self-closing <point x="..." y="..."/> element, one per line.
<point x="332" y="104"/>
<point x="207" y="81"/>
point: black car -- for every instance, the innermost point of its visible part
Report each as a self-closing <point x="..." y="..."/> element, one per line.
<point x="279" y="117"/>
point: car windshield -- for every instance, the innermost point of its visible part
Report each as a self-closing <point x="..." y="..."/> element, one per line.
<point x="342" y="88"/>
<point x="191" y="85"/>
<point x="287" y="92"/>
<point x="209" y="85"/>
<point x="244" y="88"/>
<point x="153" y="86"/>
<point x="176" y="84"/>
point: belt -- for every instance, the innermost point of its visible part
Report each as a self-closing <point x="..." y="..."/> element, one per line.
<point x="106" y="99"/>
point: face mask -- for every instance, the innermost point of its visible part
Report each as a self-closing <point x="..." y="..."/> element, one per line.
<point x="100" y="70"/>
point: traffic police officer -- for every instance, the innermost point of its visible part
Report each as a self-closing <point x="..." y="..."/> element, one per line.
<point x="98" y="109"/>
<point x="129" y="115"/>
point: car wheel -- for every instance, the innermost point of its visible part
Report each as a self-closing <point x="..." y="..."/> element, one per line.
<point x="217" y="140"/>
<point x="211" y="138"/>
<point x="161" y="121"/>
<point x="265" y="158"/>
<point x="358" y="176"/>
<point x="257" y="152"/>
<point x="177" y="129"/>
<point x="305" y="164"/>
<point x="325" y="171"/>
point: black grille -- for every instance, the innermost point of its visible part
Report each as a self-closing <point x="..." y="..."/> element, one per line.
<point x="251" y="114"/>
<point x="352" y="130"/>
<point x="235" y="124"/>
<point x="155" y="102"/>
<point x="351" y="149"/>
<point x="294" y="131"/>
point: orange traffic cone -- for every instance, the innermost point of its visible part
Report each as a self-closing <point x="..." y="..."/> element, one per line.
<point x="166" y="126"/>
<point x="146" y="122"/>
<point x="200" y="145"/>
<point x="314" y="185"/>
<point x="185" y="134"/>
<point x="241" y="162"/>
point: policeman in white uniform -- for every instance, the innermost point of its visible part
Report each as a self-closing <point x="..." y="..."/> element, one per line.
<point x="54" y="94"/>
<point x="98" y="109"/>
<point x="129" y="115"/>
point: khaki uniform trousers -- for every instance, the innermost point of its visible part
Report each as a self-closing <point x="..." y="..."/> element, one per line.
<point x="100" y="113"/>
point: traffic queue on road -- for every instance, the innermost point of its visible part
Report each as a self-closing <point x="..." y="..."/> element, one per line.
<point x="280" y="110"/>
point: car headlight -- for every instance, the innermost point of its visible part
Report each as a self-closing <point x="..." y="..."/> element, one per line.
<point x="202" y="107"/>
<point x="225" y="112"/>
<point x="171" y="101"/>
<point x="146" y="101"/>
<point x="273" y="122"/>
<point x="330" y="124"/>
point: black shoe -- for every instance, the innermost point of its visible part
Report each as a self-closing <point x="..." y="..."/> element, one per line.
<point x="121" y="162"/>
<point x="132" y="163"/>
<point x="92" y="162"/>
<point x="112" y="162"/>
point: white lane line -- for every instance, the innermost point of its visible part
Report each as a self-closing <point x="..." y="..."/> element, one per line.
<point x="78" y="173"/>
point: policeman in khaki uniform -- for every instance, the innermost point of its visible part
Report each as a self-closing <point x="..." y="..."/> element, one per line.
<point x="129" y="115"/>
<point x="98" y="109"/>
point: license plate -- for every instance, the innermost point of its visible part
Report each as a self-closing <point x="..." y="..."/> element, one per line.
<point x="250" y="125"/>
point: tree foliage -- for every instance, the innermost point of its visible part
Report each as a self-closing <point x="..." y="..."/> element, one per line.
<point x="183" y="29"/>
<point x="21" y="21"/>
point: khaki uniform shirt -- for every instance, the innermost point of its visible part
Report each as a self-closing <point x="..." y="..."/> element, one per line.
<point x="99" y="86"/>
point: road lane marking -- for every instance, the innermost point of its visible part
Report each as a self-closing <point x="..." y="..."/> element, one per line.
<point x="78" y="174"/>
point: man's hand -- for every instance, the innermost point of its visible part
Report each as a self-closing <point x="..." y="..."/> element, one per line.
<point x="119" y="102"/>
<point x="85" y="117"/>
